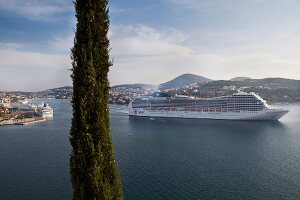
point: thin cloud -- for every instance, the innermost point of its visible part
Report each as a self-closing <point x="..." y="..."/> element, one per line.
<point x="27" y="70"/>
<point x="37" y="10"/>
<point x="113" y="9"/>
<point x="10" y="45"/>
<point x="62" y="44"/>
<point x="143" y="40"/>
<point x="144" y="54"/>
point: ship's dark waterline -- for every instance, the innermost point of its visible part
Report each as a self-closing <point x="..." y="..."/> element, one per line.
<point x="160" y="159"/>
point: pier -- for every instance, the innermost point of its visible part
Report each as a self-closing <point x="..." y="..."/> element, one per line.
<point x="25" y="121"/>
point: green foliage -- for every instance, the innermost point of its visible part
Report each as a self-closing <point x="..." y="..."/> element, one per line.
<point x="94" y="171"/>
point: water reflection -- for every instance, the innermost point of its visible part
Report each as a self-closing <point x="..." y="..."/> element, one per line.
<point x="225" y="126"/>
<point x="211" y="159"/>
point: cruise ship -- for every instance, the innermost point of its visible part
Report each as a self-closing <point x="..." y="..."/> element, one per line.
<point x="239" y="106"/>
<point x="45" y="111"/>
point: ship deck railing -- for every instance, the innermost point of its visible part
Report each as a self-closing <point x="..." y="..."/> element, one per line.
<point x="187" y="109"/>
<point x="198" y="109"/>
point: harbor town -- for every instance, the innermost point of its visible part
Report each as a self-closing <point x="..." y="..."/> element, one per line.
<point x="16" y="110"/>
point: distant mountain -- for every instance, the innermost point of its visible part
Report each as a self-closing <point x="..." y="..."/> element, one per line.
<point x="184" y="80"/>
<point x="239" y="78"/>
<point x="136" y="85"/>
<point x="62" y="88"/>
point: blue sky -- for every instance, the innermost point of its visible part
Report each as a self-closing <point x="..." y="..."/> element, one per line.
<point x="153" y="41"/>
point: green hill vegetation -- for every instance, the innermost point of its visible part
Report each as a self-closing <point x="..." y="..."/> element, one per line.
<point x="271" y="89"/>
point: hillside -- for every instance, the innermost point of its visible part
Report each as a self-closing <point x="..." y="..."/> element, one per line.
<point x="184" y="80"/>
<point x="239" y="78"/>
<point x="135" y="86"/>
<point x="271" y="89"/>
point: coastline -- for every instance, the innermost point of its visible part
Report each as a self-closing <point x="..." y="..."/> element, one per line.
<point x="24" y="121"/>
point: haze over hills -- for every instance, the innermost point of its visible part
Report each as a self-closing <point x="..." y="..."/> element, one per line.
<point x="271" y="89"/>
<point x="185" y="80"/>
<point x="178" y="82"/>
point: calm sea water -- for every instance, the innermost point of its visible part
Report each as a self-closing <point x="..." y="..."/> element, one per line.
<point x="160" y="159"/>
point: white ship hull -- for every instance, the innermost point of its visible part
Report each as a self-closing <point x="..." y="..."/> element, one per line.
<point x="46" y="115"/>
<point x="266" y="114"/>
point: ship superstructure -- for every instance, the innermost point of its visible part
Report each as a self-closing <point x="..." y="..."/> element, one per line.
<point x="239" y="106"/>
<point x="45" y="111"/>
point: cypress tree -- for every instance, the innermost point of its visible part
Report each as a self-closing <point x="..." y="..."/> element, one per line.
<point x="93" y="168"/>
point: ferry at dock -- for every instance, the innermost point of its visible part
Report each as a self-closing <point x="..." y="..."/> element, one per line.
<point x="239" y="106"/>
